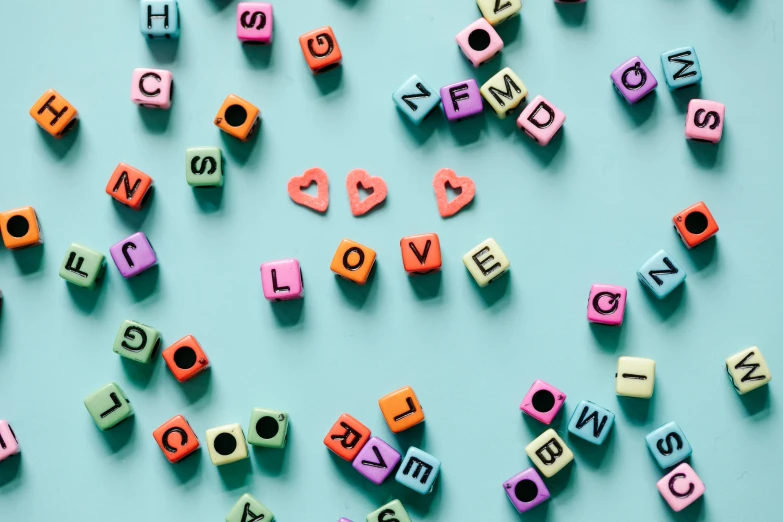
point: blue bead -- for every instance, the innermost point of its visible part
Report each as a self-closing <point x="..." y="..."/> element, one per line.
<point x="159" y="18"/>
<point x="669" y="445"/>
<point x="418" y="471"/>
<point x="681" y="67"/>
<point x="661" y="274"/>
<point x="416" y="99"/>
<point x="591" y="422"/>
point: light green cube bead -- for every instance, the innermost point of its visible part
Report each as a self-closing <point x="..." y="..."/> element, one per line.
<point x="268" y="428"/>
<point x="392" y="510"/>
<point x="136" y="341"/>
<point x="248" y="508"/>
<point x="108" y="406"/>
<point x="82" y="266"/>
<point x="204" y="167"/>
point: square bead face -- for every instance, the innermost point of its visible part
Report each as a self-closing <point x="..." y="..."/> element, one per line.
<point x="108" y="406"/>
<point x="151" y="88"/>
<point x="176" y="439"/>
<point x="461" y="100"/>
<point x="681" y="487"/>
<point x="498" y="11"/>
<point x="635" y="377"/>
<point x="479" y="42"/>
<point x="136" y="341"/>
<point x="401" y="409"/>
<point x="129" y="186"/>
<point x="542" y="402"/>
<point x="390" y="512"/>
<point x="421" y="253"/>
<point x="668" y="445"/>
<point x="353" y="261"/>
<point x="748" y="370"/>
<point x="185" y="358"/>
<point x="634" y="80"/>
<point x="320" y="49"/>
<point x="541" y="120"/>
<point x="8" y="443"/>
<point x="704" y="121"/>
<point x="268" y="428"/>
<point x="681" y="67"/>
<point x="606" y="304"/>
<point x="54" y="114"/>
<point x="376" y="461"/>
<point x="204" y="167"/>
<point x="133" y="255"/>
<point x="347" y="437"/>
<point x="591" y="422"/>
<point x="486" y="262"/>
<point x="226" y="444"/>
<point x="238" y="118"/>
<point x="82" y="266"/>
<point x="661" y="274"/>
<point x="248" y="509"/>
<point x="526" y="490"/>
<point x="19" y="228"/>
<point x="159" y="18"/>
<point x="549" y="453"/>
<point x="418" y="471"/>
<point x="504" y="92"/>
<point x="416" y="99"/>
<point x="254" y="22"/>
<point x="695" y="224"/>
<point x="282" y="280"/>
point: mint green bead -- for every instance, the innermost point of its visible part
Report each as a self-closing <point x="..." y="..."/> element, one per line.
<point x="108" y="406"/>
<point x="392" y="510"/>
<point x="82" y="266"/>
<point x="136" y="341"/>
<point x="268" y="428"/>
<point x="248" y="508"/>
<point x="204" y="167"/>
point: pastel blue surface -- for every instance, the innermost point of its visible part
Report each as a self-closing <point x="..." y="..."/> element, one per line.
<point x="669" y="445"/>
<point x="588" y="208"/>
<point x="661" y="274"/>
<point x="591" y="422"/>
<point x="416" y="99"/>
<point x="418" y="470"/>
<point x="681" y="67"/>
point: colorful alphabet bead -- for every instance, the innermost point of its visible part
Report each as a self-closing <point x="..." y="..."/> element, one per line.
<point x="320" y="49"/>
<point x="226" y="444"/>
<point x="415" y="99"/>
<point x="82" y="266"/>
<point x="185" y="358"/>
<point x="465" y="186"/>
<point x="635" y="377"/>
<point x="541" y="120"/>
<point x="133" y="255"/>
<point x="54" y="114"/>
<point x="504" y="92"/>
<point x="268" y="428"/>
<point x="136" y="341"/>
<point x="498" y="11"/>
<point x="353" y="261"/>
<point x="695" y="224"/>
<point x="681" y="67"/>
<point x="159" y="18"/>
<point x="129" y="186"/>
<point x="20" y="228"/>
<point x="526" y="490"/>
<point x="461" y="100"/>
<point x="748" y="370"/>
<point x="704" y="121"/>
<point x="401" y="409"/>
<point x="320" y="202"/>
<point x="8" y="444"/>
<point x="347" y="437"/>
<point x="421" y="253"/>
<point x="238" y="118"/>
<point x="389" y="513"/>
<point x="254" y="22"/>
<point x="374" y="184"/>
<point x="549" y="453"/>
<point x="681" y="487"/>
<point x="542" y="402"/>
<point x="176" y="439"/>
<point x="634" y="80"/>
<point x="486" y="262"/>
<point x="204" y="167"/>
<point x="248" y="509"/>
<point x="152" y="88"/>
<point x="418" y="471"/>
<point x="661" y="274"/>
<point x="591" y="422"/>
<point x="479" y="42"/>
<point x="108" y="406"/>
<point x="376" y="461"/>
<point x="606" y="304"/>
<point x="282" y="280"/>
<point x="668" y="445"/>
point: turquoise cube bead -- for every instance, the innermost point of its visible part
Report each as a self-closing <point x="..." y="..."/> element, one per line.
<point x="418" y="471"/>
<point x="669" y="445"/>
<point x="136" y="341"/>
<point x="661" y="274"/>
<point x="159" y="18"/>
<point x="591" y="422"/>
<point x="681" y="67"/>
<point x="108" y="406"/>
<point x="82" y="266"/>
<point x="416" y="99"/>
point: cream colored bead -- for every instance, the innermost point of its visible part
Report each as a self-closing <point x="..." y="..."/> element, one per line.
<point x="504" y="92"/>
<point x="748" y="370"/>
<point x="226" y="444"/>
<point x="549" y="453"/>
<point x="486" y="262"/>
<point x="635" y="377"/>
<point x="498" y="11"/>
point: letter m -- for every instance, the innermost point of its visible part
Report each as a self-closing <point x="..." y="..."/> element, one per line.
<point x="509" y="85"/>
<point x="686" y="64"/>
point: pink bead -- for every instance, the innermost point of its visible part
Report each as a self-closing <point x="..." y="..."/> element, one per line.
<point x="542" y="402"/>
<point x="479" y="42"/>
<point x="282" y="280"/>
<point x="681" y="487"/>
<point x="8" y="443"/>
<point x="151" y="88"/>
<point x="704" y="121"/>
<point x="541" y="120"/>
<point x="254" y="22"/>
<point x="606" y="304"/>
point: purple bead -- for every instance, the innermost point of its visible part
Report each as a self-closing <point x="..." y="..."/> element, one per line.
<point x="343" y="520"/>
<point x="634" y="80"/>
<point x="133" y="255"/>
<point x="526" y="490"/>
<point x="461" y="100"/>
<point x="376" y="461"/>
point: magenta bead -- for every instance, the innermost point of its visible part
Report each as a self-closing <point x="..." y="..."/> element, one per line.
<point x="151" y="88"/>
<point x="282" y="280"/>
<point x="254" y="22"/>
<point x="634" y="80"/>
<point x="461" y="100"/>
<point x="376" y="461"/>
<point x="606" y="304"/>
<point x="542" y="402"/>
<point x="526" y="490"/>
<point x="133" y="255"/>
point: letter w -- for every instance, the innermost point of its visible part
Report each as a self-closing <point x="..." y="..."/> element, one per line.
<point x="597" y="428"/>
<point x="752" y="367"/>
<point x="686" y="64"/>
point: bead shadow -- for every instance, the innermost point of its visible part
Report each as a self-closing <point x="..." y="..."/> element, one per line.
<point x="637" y="411"/>
<point x="757" y="401"/>
<point x="356" y="294"/>
<point x="641" y="111"/>
<point x="143" y="285"/>
<point x="287" y="313"/>
<point x="139" y="373"/>
<point x="418" y="504"/>
<point x="705" y="153"/>
<point x="609" y="338"/>
<point x="380" y="494"/>
<point x="495" y="291"/>
<point x="591" y="454"/>
<point x="669" y="305"/>
<point x="426" y="286"/>
<point x="560" y="481"/>
<point x="29" y="260"/>
<point x="536" y="428"/>
<point x="271" y="461"/>
<point x="188" y="468"/>
<point x="509" y="31"/>
<point x="469" y="130"/>
<point x="209" y="199"/>
<point x="330" y="80"/>
<point x="703" y="255"/>
<point x="729" y="6"/>
<point x="135" y="218"/>
<point x="683" y="96"/>
<point x="120" y="436"/>
<point x="60" y="148"/>
<point x="259" y="56"/>
<point x="414" y="436"/>
<point x="240" y="151"/>
<point x="572" y="15"/>
<point x="9" y="472"/>
<point x="235" y="475"/>
<point x="694" y="512"/>
<point x="539" y="514"/>
<point x="218" y="5"/>
<point x="197" y="387"/>
<point x="164" y="50"/>
<point x="86" y="299"/>
<point x="156" y="121"/>
<point x="424" y="131"/>
<point x="544" y="155"/>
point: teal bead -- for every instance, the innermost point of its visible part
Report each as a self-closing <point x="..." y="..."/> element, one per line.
<point x="108" y="406"/>
<point x="204" y="167"/>
<point x="136" y="341"/>
<point x="669" y="445"/>
<point x="681" y="67"/>
<point x="591" y="422"/>
<point x="416" y="99"/>
<point x="82" y="266"/>
<point x="661" y="274"/>
<point x="268" y="428"/>
<point x="418" y="471"/>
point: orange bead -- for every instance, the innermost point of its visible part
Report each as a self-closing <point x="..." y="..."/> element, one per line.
<point x="238" y="117"/>
<point x="176" y="439"/>
<point x="320" y="49"/>
<point x="401" y="409"/>
<point x="185" y="358"/>
<point x="347" y="437"/>
<point x="353" y="261"/>
<point x="421" y="254"/>
<point x="54" y="114"/>
<point x="695" y="224"/>
<point x="129" y="186"/>
<point x="20" y="228"/>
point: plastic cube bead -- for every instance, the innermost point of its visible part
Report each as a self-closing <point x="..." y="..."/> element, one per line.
<point x="416" y="99"/>
<point x="635" y="377"/>
<point x="152" y="88"/>
<point x="136" y="341"/>
<point x="54" y="114"/>
<point x="541" y="120"/>
<point x="254" y="22"/>
<point x="108" y="406"/>
<point x="681" y="67"/>
<point x="661" y="274"/>
<point x="268" y="428"/>
<point x="668" y="445"/>
<point x="159" y="18"/>
<point x="748" y="370"/>
<point x="176" y="439"/>
<point x="204" y="167"/>
<point x="695" y="224"/>
<point x="549" y="453"/>
<point x="389" y="513"/>
<point x="20" y="228"/>
<point x="421" y="253"/>
<point x="185" y="358"/>
<point x="681" y="487"/>
<point x="606" y="304"/>
<point x="320" y="49"/>
<point x="498" y="11"/>
<point x="129" y="186"/>
<point x="634" y="80"/>
<point x="401" y="409"/>
<point x="82" y="266"/>
<point x="133" y="255"/>
<point x="282" y="280"/>
<point x="8" y="444"/>
<point x="248" y="509"/>
<point x="418" y="471"/>
<point x="479" y="42"/>
<point x="238" y="118"/>
<point x="526" y="490"/>
<point x="591" y="422"/>
<point x="376" y="461"/>
<point x="461" y="100"/>
<point x="542" y="402"/>
<point x="347" y="437"/>
<point x="353" y="261"/>
<point x="504" y="92"/>
<point x="226" y="444"/>
<point x="486" y="262"/>
<point x="704" y="121"/>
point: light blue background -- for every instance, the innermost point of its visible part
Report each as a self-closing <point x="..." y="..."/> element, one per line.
<point x="589" y="208"/>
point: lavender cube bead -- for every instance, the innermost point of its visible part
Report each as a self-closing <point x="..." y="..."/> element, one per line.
<point x="634" y="80"/>
<point x="133" y="255"/>
<point x="526" y="490"/>
<point x="376" y="461"/>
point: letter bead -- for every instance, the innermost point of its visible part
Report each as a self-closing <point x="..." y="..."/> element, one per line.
<point x="152" y="88"/>
<point x="226" y="444"/>
<point x="282" y="280"/>
<point x="204" y="167"/>
<point x="176" y="439"/>
<point x="82" y="266"/>
<point x="668" y="445"/>
<point x="479" y="42"/>
<point x="681" y="67"/>
<point x="9" y="446"/>
<point x="416" y="99"/>
<point x="606" y="304"/>
<point x="704" y="121"/>
<point x="549" y="453"/>
<point x="486" y="262"/>
<point x="20" y="228"/>
<point x="748" y="370"/>
<point x="320" y="49"/>
<point x="695" y="224"/>
<point x="542" y="402"/>
<point x="254" y="22"/>
<point x="418" y="471"/>
<point x="461" y="100"/>
<point x="389" y="513"/>
<point x="353" y="261"/>
<point x="591" y="422"/>
<point x="238" y="118"/>
<point x="661" y="274"/>
<point x="159" y="18"/>
<point x="681" y="487"/>
<point x="129" y="186"/>
<point x="347" y="437"/>
<point x="108" y="406"/>
<point x="268" y="428"/>
<point x="54" y="114"/>
<point x="376" y="461"/>
<point x="541" y="120"/>
<point x="133" y="255"/>
<point x="401" y="409"/>
<point x="185" y="358"/>
<point x="498" y="11"/>
<point x="136" y="341"/>
<point x="248" y="509"/>
<point x="421" y="253"/>
<point x="635" y="377"/>
<point x="504" y="92"/>
<point x="633" y="80"/>
<point x="526" y="490"/>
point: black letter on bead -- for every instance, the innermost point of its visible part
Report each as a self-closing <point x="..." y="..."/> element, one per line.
<point x="75" y="269"/>
<point x="144" y="91"/>
<point x="249" y="516"/>
<point x="123" y="180"/>
<point x="671" y="270"/>
<point x="358" y="265"/>
<point x="480" y="264"/>
<point x="278" y="289"/>
<point x="130" y="335"/>
<point x="195" y="168"/>
<point x="597" y="427"/>
<point x="551" y="455"/>
<point x="752" y="367"/>
<point x="47" y="107"/>
<point x="408" y="97"/>
<point x="252" y="22"/>
<point x="499" y="7"/>
<point x="676" y="493"/>
<point x="509" y="84"/>
<point x="323" y="39"/>
<point x="548" y="110"/>
<point x="128" y="246"/>
<point x="345" y="440"/>
<point x="422" y="257"/>
<point x="165" y="16"/>
<point x="686" y="64"/>
<point x="420" y="464"/>
<point x="456" y="99"/>
<point x="380" y="464"/>
<point x="637" y="69"/>
<point x="666" y="445"/>
<point x="117" y="404"/>
<point x="706" y="119"/>
<point x="411" y="410"/>
<point x="387" y="513"/>
<point x="614" y="302"/>
<point x="165" y="439"/>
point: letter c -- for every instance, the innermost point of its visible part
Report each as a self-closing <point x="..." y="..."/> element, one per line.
<point x="323" y="39"/>
<point x="165" y="439"/>
<point x="676" y="493"/>
<point x="145" y="92"/>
